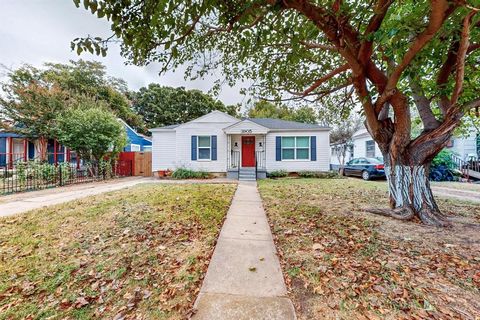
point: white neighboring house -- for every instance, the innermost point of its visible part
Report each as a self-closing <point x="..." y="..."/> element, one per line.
<point x="365" y="146"/>
<point x="248" y="148"/>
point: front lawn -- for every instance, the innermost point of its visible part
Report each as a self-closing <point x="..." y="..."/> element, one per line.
<point x="342" y="263"/>
<point x="138" y="253"/>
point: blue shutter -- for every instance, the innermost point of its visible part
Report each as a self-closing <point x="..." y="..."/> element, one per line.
<point x="313" y="148"/>
<point x="214" y="147"/>
<point x="31" y="150"/>
<point x="3" y="150"/>
<point x="278" y="148"/>
<point x="194" y="148"/>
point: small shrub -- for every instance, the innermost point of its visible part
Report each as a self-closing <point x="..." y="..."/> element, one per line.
<point x="277" y="174"/>
<point x="319" y="175"/>
<point x="183" y="173"/>
<point x="307" y="174"/>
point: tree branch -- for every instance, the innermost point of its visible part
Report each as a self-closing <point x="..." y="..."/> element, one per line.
<point x="440" y="10"/>
<point x="323" y="79"/>
<point x="461" y="54"/>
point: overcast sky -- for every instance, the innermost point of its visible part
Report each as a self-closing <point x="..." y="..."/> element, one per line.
<point x="38" y="31"/>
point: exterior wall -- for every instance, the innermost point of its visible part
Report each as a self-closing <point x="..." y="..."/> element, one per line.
<point x="323" y="153"/>
<point x="163" y="150"/>
<point x="360" y="149"/>
<point x="172" y="149"/>
<point x="134" y="138"/>
<point x="465" y="146"/>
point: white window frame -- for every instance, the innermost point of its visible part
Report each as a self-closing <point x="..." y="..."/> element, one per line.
<point x="366" y="149"/>
<point x="147" y="148"/>
<point x="295" y="148"/>
<point x="209" y="148"/>
<point x="137" y="148"/>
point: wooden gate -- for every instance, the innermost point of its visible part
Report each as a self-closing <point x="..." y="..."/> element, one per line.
<point x="141" y="162"/>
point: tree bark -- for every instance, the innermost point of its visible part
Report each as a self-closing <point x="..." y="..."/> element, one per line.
<point x="410" y="193"/>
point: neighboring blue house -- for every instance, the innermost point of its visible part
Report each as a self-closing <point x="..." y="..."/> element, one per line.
<point x="136" y="141"/>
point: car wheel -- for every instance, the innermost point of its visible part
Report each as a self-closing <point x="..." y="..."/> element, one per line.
<point x="365" y="175"/>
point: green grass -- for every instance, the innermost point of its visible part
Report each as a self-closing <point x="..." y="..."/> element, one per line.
<point x="141" y="252"/>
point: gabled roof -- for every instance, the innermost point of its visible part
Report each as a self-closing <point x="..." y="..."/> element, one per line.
<point x="174" y="126"/>
<point x="278" y="124"/>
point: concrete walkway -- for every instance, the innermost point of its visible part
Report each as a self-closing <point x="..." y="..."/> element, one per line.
<point x="244" y="279"/>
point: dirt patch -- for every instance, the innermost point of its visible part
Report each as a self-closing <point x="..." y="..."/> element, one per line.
<point x="342" y="263"/>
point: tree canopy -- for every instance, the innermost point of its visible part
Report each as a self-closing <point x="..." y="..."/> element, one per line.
<point x="392" y="56"/>
<point x="58" y="86"/>
<point x="265" y="109"/>
<point x="161" y="106"/>
<point x="91" y="130"/>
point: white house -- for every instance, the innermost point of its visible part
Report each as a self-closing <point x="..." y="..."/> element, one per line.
<point x="364" y="146"/>
<point x="248" y="148"/>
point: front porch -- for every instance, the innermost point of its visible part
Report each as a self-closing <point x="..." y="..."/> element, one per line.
<point x="246" y="156"/>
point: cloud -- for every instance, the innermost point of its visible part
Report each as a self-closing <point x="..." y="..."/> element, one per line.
<point x="38" y="31"/>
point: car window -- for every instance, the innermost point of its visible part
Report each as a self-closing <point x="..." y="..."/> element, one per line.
<point x="374" y="161"/>
<point x="354" y="161"/>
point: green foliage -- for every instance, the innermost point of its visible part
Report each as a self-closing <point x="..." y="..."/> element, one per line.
<point x="287" y="46"/>
<point x="34" y="98"/>
<point x="183" y="173"/>
<point x="318" y="174"/>
<point x="265" y="109"/>
<point x="161" y="106"/>
<point x="444" y="158"/>
<point x="90" y="130"/>
<point x="277" y="174"/>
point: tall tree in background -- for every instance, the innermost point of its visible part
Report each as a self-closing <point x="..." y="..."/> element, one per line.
<point x="266" y="109"/>
<point x="89" y="78"/>
<point x="393" y="55"/>
<point x="30" y="106"/>
<point x="161" y="106"/>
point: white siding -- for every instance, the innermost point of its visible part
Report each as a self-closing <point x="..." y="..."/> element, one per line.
<point x="360" y="147"/>
<point x="163" y="150"/>
<point x="465" y="146"/>
<point x="323" y="153"/>
<point x="184" y="148"/>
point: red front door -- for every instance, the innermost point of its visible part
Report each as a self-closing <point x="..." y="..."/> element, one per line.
<point x="248" y="151"/>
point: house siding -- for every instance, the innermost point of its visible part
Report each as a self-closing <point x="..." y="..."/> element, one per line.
<point x="323" y="152"/>
<point x="163" y="150"/>
<point x="360" y="148"/>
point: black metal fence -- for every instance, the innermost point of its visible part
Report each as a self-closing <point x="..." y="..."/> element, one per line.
<point x="29" y="176"/>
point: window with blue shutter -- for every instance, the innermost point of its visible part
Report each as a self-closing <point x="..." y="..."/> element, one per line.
<point x="313" y="148"/>
<point x="194" y="148"/>
<point x="278" y="148"/>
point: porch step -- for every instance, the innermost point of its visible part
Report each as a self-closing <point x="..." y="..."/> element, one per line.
<point x="247" y="174"/>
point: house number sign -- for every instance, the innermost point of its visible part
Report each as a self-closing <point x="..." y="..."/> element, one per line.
<point x="246" y="130"/>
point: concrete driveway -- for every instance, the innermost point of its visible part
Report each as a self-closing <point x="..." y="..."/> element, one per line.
<point x="22" y="202"/>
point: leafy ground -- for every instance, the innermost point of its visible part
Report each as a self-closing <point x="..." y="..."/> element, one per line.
<point x="138" y="253"/>
<point x="342" y="263"/>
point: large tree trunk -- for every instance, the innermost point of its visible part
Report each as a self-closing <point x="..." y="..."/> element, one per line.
<point x="411" y="195"/>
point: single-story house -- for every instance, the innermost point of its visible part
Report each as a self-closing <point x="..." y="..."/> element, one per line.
<point x="16" y="148"/>
<point x="365" y="146"/>
<point x="241" y="148"/>
<point x="136" y="141"/>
